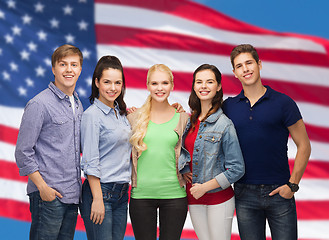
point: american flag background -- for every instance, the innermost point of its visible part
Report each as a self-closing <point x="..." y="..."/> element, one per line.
<point x="179" y="33"/>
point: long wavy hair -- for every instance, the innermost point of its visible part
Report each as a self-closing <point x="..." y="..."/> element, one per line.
<point x="194" y="101"/>
<point x="139" y="127"/>
<point x="105" y="63"/>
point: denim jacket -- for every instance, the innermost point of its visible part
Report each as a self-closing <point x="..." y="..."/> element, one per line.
<point x="216" y="152"/>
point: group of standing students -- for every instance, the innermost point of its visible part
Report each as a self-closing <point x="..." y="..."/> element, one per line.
<point x="167" y="147"/>
<point x="175" y="162"/>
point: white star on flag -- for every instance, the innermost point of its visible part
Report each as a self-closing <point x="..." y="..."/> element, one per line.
<point x="54" y="23"/>
<point x="67" y="10"/>
<point x="22" y="91"/>
<point x="40" y="71"/>
<point x="26" y="19"/>
<point x="39" y="7"/>
<point x="83" y="25"/>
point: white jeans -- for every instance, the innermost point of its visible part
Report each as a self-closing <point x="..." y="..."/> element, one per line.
<point x="213" y="222"/>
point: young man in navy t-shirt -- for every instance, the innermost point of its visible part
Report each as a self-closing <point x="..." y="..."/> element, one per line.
<point x="263" y="119"/>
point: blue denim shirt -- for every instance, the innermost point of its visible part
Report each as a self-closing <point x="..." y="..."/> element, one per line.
<point x="105" y="143"/>
<point x="216" y="153"/>
<point x="49" y="142"/>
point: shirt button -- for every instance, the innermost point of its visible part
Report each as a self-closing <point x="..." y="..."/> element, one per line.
<point x="205" y="125"/>
<point x="197" y="150"/>
<point x="195" y="175"/>
<point x="250" y="109"/>
<point x="200" y="136"/>
<point x="247" y="101"/>
<point x="250" y="117"/>
<point x="196" y="163"/>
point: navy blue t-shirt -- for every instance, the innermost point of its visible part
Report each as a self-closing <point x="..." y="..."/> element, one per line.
<point x="263" y="134"/>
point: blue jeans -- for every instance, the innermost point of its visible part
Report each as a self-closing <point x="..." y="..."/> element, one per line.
<point x="254" y="206"/>
<point x="52" y="220"/>
<point x="115" y="197"/>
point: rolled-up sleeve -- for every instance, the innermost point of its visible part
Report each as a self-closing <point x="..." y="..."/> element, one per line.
<point x="29" y="132"/>
<point x="90" y="129"/>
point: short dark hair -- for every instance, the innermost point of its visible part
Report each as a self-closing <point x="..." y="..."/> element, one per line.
<point x="105" y="63"/>
<point x="244" y="48"/>
<point x="63" y="51"/>
<point x="194" y="101"/>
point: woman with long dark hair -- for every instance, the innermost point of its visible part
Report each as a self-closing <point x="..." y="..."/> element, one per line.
<point x="105" y="133"/>
<point x="211" y="159"/>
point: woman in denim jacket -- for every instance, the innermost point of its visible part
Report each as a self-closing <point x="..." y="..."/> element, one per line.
<point x="211" y="158"/>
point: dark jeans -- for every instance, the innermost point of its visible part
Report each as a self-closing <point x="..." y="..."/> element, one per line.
<point x="172" y="215"/>
<point x="115" y="197"/>
<point x="52" y="220"/>
<point x="254" y="206"/>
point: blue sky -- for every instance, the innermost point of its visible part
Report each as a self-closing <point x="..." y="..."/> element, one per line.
<point x="297" y="16"/>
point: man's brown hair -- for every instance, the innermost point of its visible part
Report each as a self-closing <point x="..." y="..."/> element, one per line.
<point x="244" y="48"/>
<point x="63" y="51"/>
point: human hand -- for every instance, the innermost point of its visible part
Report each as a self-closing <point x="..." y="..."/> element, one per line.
<point x="284" y="191"/>
<point x="197" y="190"/>
<point x="188" y="177"/>
<point x="131" y="110"/>
<point x="179" y="108"/>
<point x="48" y="194"/>
<point x="97" y="211"/>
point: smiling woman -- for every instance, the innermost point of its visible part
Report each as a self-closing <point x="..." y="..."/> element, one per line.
<point x="105" y="133"/>
<point x="211" y="158"/>
<point x="156" y="183"/>
<point x="109" y="86"/>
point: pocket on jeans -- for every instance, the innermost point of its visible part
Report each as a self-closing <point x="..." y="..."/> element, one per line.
<point x="50" y="202"/>
<point x="282" y="198"/>
<point x="239" y="191"/>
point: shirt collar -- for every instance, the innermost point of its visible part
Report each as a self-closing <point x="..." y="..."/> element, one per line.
<point x="59" y="93"/>
<point x="267" y="94"/>
<point x="104" y="108"/>
<point x="214" y="117"/>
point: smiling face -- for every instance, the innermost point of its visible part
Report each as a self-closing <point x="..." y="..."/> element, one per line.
<point x="159" y="85"/>
<point x="247" y="70"/>
<point x="67" y="71"/>
<point x="205" y="85"/>
<point x="109" y="86"/>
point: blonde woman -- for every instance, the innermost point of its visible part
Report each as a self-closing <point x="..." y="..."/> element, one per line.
<point x="156" y="182"/>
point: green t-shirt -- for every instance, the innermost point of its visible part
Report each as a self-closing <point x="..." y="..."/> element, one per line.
<point x="156" y="167"/>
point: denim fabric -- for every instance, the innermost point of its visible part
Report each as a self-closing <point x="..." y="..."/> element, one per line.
<point x="52" y="220"/>
<point x="216" y="153"/>
<point x="115" y="198"/>
<point x="254" y="205"/>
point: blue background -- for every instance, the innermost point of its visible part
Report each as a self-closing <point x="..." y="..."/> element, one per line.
<point x="308" y="17"/>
